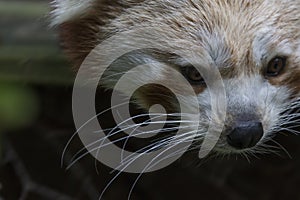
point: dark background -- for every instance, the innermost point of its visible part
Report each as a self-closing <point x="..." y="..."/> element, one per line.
<point x="36" y="123"/>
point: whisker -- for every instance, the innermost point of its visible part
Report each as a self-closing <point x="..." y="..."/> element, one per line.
<point x="119" y="140"/>
<point x="148" y="167"/>
<point x="99" y="147"/>
<point x="120" y="171"/>
<point x="111" y="133"/>
<point x="160" y="143"/>
<point x="88" y="121"/>
<point x="282" y="147"/>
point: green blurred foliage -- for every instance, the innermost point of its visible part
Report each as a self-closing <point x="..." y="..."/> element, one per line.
<point x="18" y="106"/>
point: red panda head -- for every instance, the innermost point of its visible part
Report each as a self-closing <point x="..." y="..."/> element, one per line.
<point x="254" y="44"/>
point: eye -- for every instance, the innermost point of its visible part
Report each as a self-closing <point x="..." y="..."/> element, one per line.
<point x="275" y="66"/>
<point x="193" y="76"/>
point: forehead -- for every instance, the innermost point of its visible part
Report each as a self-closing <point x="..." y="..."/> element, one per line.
<point x="231" y="31"/>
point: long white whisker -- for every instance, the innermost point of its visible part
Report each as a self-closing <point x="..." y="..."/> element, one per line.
<point x="160" y="143"/>
<point x="104" y="145"/>
<point x="148" y="166"/>
<point x="88" y="121"/>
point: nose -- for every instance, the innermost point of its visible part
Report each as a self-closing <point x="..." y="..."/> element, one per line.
<point x="245" y="134"/>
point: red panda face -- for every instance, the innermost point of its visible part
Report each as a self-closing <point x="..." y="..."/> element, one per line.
<point x="255" y="45"/>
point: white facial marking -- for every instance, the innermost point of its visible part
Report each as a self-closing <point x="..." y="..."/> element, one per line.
<point x="264" y="43"/>
<point x="65" y="10"/>
<point x="250" y="96"/>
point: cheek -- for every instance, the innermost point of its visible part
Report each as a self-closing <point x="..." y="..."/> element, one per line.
<point x="289" y="79"/>
<point x="273" y="101"/>
<point x="199" y="89"/>
<point x="294" y="78"/>
<point x="170" y="91"/>
<point x="153" y="94"/>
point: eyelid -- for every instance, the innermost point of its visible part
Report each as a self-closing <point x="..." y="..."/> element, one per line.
<point x="276" y="56"/>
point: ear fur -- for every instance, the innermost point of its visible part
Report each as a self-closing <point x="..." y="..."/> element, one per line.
<point x="81" y="22"/>
<point x="66" y="10"/>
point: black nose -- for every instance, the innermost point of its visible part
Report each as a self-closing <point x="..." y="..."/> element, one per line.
<point x="245" y="135"/>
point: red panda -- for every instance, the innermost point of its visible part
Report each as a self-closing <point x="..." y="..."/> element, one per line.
<point x="254" y="44"/>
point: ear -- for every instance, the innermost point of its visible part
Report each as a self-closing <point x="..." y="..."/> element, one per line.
<point x="81" y="24"/>
<point x="66" y="10"/>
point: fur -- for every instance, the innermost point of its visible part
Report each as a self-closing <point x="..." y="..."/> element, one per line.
<point x="239" y="37"/>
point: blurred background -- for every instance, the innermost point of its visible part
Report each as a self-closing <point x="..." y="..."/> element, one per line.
<point x="36" y="123"/>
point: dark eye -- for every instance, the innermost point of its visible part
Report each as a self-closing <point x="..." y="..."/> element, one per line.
<point x="193" y="76"/>
<point x="275" y="66"/>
